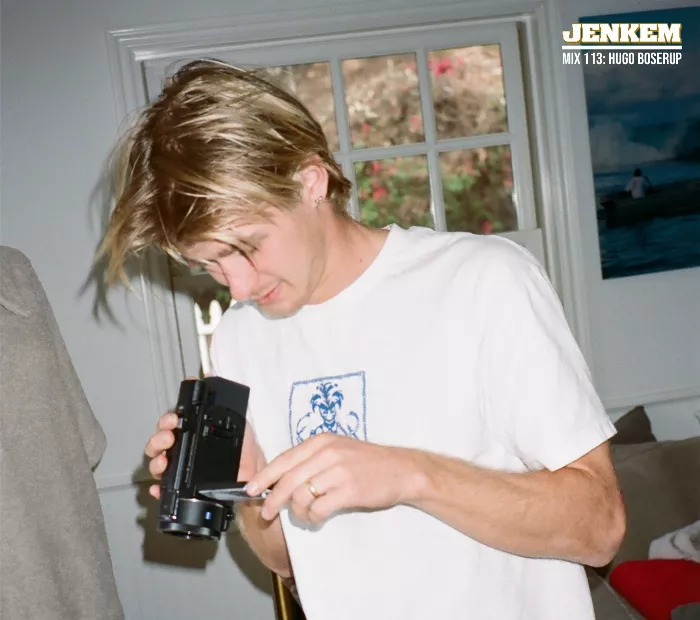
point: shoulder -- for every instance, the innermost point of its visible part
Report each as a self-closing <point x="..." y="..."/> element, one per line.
<point x="12" y="258"/>
<point x="507" y="280"/>
<point x="231" y="336"/>
<point x="501" y="261"/>
<point x="419" y="240"/>
<point x="238" y="319"/>
<point x="20" y="287"/>
<point x="481" y="261"/>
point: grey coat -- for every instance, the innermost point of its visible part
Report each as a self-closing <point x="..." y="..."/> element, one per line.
<point x="54" y="559"/>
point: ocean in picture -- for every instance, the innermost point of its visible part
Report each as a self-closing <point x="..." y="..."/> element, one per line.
<point x="644" y="124"/>
<point x="652" y="241"/>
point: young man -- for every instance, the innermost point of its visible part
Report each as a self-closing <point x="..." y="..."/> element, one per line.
<point x="418" y="403"/>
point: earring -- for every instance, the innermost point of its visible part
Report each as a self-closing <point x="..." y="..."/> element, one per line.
<point x="319" y="201"/>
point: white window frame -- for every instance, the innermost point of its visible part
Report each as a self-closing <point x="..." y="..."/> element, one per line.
<point x="132" y="50"/>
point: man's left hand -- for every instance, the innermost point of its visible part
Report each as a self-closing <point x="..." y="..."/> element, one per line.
<point x="329" y="473"/>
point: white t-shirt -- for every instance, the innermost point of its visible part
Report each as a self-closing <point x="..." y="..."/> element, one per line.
<point x="449" y="342"/>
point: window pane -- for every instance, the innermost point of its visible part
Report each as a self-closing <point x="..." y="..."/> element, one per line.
<point x="383" y="100"/>
<point x="312" y="85"/>
<point x="468" y="93"/>
<point x="477" y="185"/>
<point x="394" y="191"/>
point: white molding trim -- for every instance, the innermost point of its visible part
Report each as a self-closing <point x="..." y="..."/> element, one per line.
<point x="553" y="137"/>
<point x="119" y="481"/>
<point x="619" y="404"/>
<point x="172" y="40"/>
<point x="161" y="320"/>
<point x="129" y="48"/>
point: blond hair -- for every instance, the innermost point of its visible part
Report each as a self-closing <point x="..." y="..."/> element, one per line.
<point x="217" y="148"/>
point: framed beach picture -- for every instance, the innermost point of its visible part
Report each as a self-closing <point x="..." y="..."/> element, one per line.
<point x="644" y="127"/>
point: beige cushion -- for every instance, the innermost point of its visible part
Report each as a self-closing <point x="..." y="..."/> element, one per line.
<point x="661" y="488"/>
<point x="633" y="427"/>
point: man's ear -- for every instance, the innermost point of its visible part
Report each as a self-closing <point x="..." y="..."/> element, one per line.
<point x="314" y="180"/>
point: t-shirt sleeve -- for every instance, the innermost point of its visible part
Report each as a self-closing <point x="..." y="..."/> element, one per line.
<point x="537" y="387"/>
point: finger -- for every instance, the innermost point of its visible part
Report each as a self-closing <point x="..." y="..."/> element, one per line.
<point x="157" y="466"/>
<point x="323" y="508"/>
<point x="167" y="422"/>
<point x="293" y="485"/>
<point x="279" y="466"/>
<point x="158" y="443"/>
<point x="327" y="482"/>
<point x="154" y="491"/>
<point x="300" y="502"/>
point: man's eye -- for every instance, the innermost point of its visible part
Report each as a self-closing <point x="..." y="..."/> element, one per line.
<point x="244" y="249"/>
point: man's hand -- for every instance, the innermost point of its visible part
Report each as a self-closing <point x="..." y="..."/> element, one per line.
<point x="252" y="458"/>
<point x="344" y="473"/>
<point x="574" y="513"/>
<point x="162" y="440"/>
<point x="264" y="537"/>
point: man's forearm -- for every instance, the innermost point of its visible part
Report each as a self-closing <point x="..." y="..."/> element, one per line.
<point x="569" y="514"/>
<point x="265" y="538"/>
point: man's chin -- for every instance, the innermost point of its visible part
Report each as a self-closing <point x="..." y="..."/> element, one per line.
<point x="277" y="311"/>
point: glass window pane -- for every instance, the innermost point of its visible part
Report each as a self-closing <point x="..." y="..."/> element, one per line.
<point x="394" y="191"/>
<point x="468" y="92"/>
<point x="477" y="186"/>
<point x="312" y="85"/>
<point x="383" y="100"/>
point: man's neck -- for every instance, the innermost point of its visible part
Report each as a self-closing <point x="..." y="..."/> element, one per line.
<point x="350" y="250"/>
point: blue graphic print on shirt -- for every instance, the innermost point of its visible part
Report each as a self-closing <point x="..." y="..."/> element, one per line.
<point x="328" y="405"/>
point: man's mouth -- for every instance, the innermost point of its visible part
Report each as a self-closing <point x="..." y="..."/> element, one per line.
<point x="267" y="297"/>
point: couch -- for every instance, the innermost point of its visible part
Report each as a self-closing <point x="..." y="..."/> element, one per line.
<point x="660" y="482"/>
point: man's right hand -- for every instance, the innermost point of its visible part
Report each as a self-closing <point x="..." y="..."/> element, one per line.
<point x="162" y="440"/>
<point x="252" y="458"/>
<point x="265" y="538"/>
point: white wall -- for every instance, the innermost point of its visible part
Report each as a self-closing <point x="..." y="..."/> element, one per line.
<point x="644" y="329"/>
<point x="58" y="122"/>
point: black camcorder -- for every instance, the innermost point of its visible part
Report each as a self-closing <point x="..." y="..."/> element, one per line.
<point x="200" y="484"/>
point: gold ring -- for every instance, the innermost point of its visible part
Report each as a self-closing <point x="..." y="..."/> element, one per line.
<point x="312" y="490"/>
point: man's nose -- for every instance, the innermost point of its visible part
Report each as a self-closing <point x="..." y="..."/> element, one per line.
<point x="241" y="281"/>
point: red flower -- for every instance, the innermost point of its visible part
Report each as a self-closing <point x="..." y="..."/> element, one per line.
<point x="441" y="67"/>
<point x="379" y="193"/>
<point x="376" y="167"/>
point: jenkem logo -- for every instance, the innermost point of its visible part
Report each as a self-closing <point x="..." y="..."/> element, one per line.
<point x="639" y="36"/>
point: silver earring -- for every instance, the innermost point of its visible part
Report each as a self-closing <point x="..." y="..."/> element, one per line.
<point x="319" y="201"/>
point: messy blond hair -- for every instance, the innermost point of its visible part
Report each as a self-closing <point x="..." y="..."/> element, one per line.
<point x="217" y="148"/>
